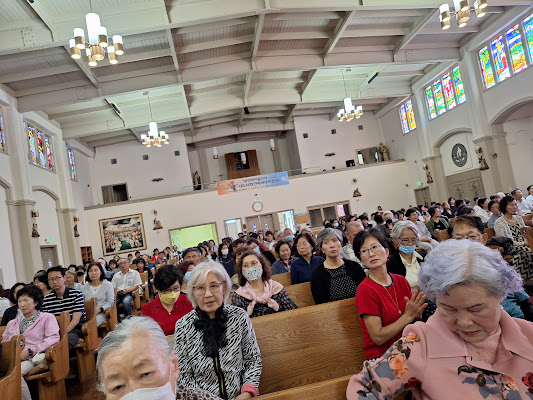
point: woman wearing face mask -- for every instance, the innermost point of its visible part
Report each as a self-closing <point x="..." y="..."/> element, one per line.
<point x="171" y="305"/>
<point x="258" y="294"/>
<point x="225" y="258"/>
<point x="186" y="268"/>
<point x="253" y="244"/>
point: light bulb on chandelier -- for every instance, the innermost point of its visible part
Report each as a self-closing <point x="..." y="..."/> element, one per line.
<point x="462" y="10"/>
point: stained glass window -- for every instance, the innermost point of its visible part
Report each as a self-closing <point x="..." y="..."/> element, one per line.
<point x="458" y="83"/>
<point x="439" y="98"/>
<point x="403" y="118"/>
<point x="528" y="30"/>
<point x="72" y="164"/>
<point x="486" y="68"/>
<point x="516" y="49"/>
<point x="40" y="148"/>
<point x="501" y="65"/>
<point x="410" y="115"/>
<point x="32" y="145"/>
<point x="430" y="103"/>
<point x="448" y="91"/>
<point x="2" y="135"/>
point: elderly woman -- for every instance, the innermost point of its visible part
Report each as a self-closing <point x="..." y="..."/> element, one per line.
<point x="97" y="286"/>
<point x="447" y="211"/>
<point x="258" y="294"/>
<point x="470" y="348"/>
<point x="216" y="345"/>
<point x="41" y="281"/>
<point x="384" y="301"/>
<point x="436" y="222"/>
<point x="13" y="311"/>
<point x="509" y="225"/>
<point x="306" y="262"/>
<point x="171" y="305"/>
<point x="283" y="248"/>
<point x="71" y="280"/>
<point x="426" y="243"/>
<point x="336" y="278"/>
<point x="124" y="372"/>
<point x="40" y="330"/>
<point x="494" y="208"/>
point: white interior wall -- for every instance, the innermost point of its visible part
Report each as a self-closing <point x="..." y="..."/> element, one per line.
<point x="303" y="191"/>
<point x="520" y="144"/>
<point x="464" y="138"/>
<point x="137" y="173"/>
<point x="293" y="154"/>
<point x="7" y="261"/>
<point x="344" y="143"/>
<point x="47" y="222"/>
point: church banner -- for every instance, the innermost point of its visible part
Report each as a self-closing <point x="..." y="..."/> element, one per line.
<point x="253" y="182"/>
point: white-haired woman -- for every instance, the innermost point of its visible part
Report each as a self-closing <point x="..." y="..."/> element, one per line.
<point x="470" y="348"/>
<point x="215" y="342"/>
<point x="335" y="278"/>
<point x="126" y="373"/>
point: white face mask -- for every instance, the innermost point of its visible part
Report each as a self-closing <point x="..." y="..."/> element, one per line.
<point x="225" y="252"/>
<point x="160" y="393"/>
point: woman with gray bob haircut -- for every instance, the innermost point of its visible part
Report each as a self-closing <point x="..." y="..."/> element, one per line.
<point x="471" y="347"/>
<point x="126" y="373"/>
<point x="216" y="343"/>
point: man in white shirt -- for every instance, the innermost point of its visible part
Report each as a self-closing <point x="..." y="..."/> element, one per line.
<point x="523" y="206"/>
<point x="352" y="229"/>
<point x="126" y="281"/>
<point x="529" y="198"/>
<point x="483" y="211"/>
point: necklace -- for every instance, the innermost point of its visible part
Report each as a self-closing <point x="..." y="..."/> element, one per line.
<point x="395" y="296"/>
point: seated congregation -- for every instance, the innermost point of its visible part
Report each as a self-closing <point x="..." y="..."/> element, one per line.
<point x="429" y="301"/>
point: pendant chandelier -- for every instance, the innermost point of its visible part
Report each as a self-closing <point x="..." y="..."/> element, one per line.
<point x="98" y="44"/>
<point x="154" y="136"/>
<point x="349" y="112"/>
<point x="462" y="12"/>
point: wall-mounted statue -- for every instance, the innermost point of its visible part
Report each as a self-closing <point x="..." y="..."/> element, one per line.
<point x="483" y="163"/>
<point x="429" y="178"/>
<point x="384" y="152"/>
<point x="356" y="193"/>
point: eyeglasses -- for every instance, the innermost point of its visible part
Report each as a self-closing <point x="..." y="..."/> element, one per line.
<point x="253" y="264"/>
<point x="213" y="288"/>
<point x="175" y="290"/>
<point x="408" y="241"/>
<point x="475" y="237"/>
<point x="374" y="249"/>
<point x="55" y="279"/>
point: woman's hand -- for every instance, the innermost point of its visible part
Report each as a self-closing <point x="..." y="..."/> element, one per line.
<point x="416" y="305"/>
<point x="426" y="239"/>
<point x="24" y="355"/>
<point x="244" y="396"/>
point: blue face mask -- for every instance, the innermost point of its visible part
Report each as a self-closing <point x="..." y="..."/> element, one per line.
<point x="257" y="250"/>
<point x="407" y="249"/>
<point x="187" y="276"/>
<point x="289" y="238"/>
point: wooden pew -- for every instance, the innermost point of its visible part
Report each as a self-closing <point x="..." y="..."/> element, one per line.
<point x="284" y="279"/>
<point x="490" y="232"/>
<point x="10" y="363"/>
<point x="86" y="346"/>
<point x="309" y="345"/>
<point x="111" y="321"/>
<point x="527" y="232"/>
<point x="145" y="297"/>
<point x="301" y="294"/>
<point x="330" y="389"/>
<point x="528" y="219"/>
<point x="441" y="235"/>
<point x="51" y="378"/>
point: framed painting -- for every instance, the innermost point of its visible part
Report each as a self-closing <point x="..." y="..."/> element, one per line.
<point x="122" y="234"/>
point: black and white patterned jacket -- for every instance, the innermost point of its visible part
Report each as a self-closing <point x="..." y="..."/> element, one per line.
<point x="240" y="359"/>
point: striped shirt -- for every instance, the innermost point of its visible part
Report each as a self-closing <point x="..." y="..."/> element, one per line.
<point x="71" y="302"/>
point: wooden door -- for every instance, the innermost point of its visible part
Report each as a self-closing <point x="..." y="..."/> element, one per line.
<point x="237" y="169"/>
<point x="422" y="196"/>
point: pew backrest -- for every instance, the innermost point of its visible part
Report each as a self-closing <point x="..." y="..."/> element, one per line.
<point x="301" y="294"/>
<point x="284" y="279"/>
<point x="10" y="364"/>
<point x="309" y="345"/>
<point x="441" y="235"/>
<point x="527" y="233"/>
<point x="490" y="232"/>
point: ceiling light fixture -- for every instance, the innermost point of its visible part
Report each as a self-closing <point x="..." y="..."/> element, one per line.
<point x="462" y="10"/>
<point x="98" y="44"/>
<point x="349" y="112"/>
<point x="154" y="136"/>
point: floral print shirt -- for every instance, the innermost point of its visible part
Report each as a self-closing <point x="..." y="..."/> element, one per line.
<point x="434" y="363"/>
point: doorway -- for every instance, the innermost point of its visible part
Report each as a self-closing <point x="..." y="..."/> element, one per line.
<point x="286" y="220"/>
<point x="466" y="184"/>
<point x="233" y="227"/>
<point x="422" y="196"/>
<point x="260" y="223"/>
<point x="49" y="257"/>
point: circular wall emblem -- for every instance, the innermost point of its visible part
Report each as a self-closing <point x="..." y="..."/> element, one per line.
<point x="459" y="155"/>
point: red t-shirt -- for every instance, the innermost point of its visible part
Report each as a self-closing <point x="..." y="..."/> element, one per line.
<point x="159" y="314"/>
<point x="372" y="299"/>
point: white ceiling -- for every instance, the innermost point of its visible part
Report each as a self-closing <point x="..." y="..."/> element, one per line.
<point x="204" y="61"/>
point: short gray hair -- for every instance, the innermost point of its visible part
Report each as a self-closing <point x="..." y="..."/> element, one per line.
<point x="199" y="275"/>
<point x="400" y="226"/>
<point x="124" y="331"/>
<point x="328" y="233"/>
<point x="279" y="234"/>
<point x="465" y="262"/>
<point x="122" y="261"/>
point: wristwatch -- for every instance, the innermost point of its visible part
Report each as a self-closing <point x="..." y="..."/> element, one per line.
<point x="30" y="352"/>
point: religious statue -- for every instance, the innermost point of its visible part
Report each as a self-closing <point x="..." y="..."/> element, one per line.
<point x="483" y="163"/>
<point x="356" y="193"/>
<point x="384" y="152"/>
<point x="34" y="231"/>
<point x="76" y="233"/>
<point x="197" y="181"/>
<point x="157" y="224"/>
<point x="429" y="178"/>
